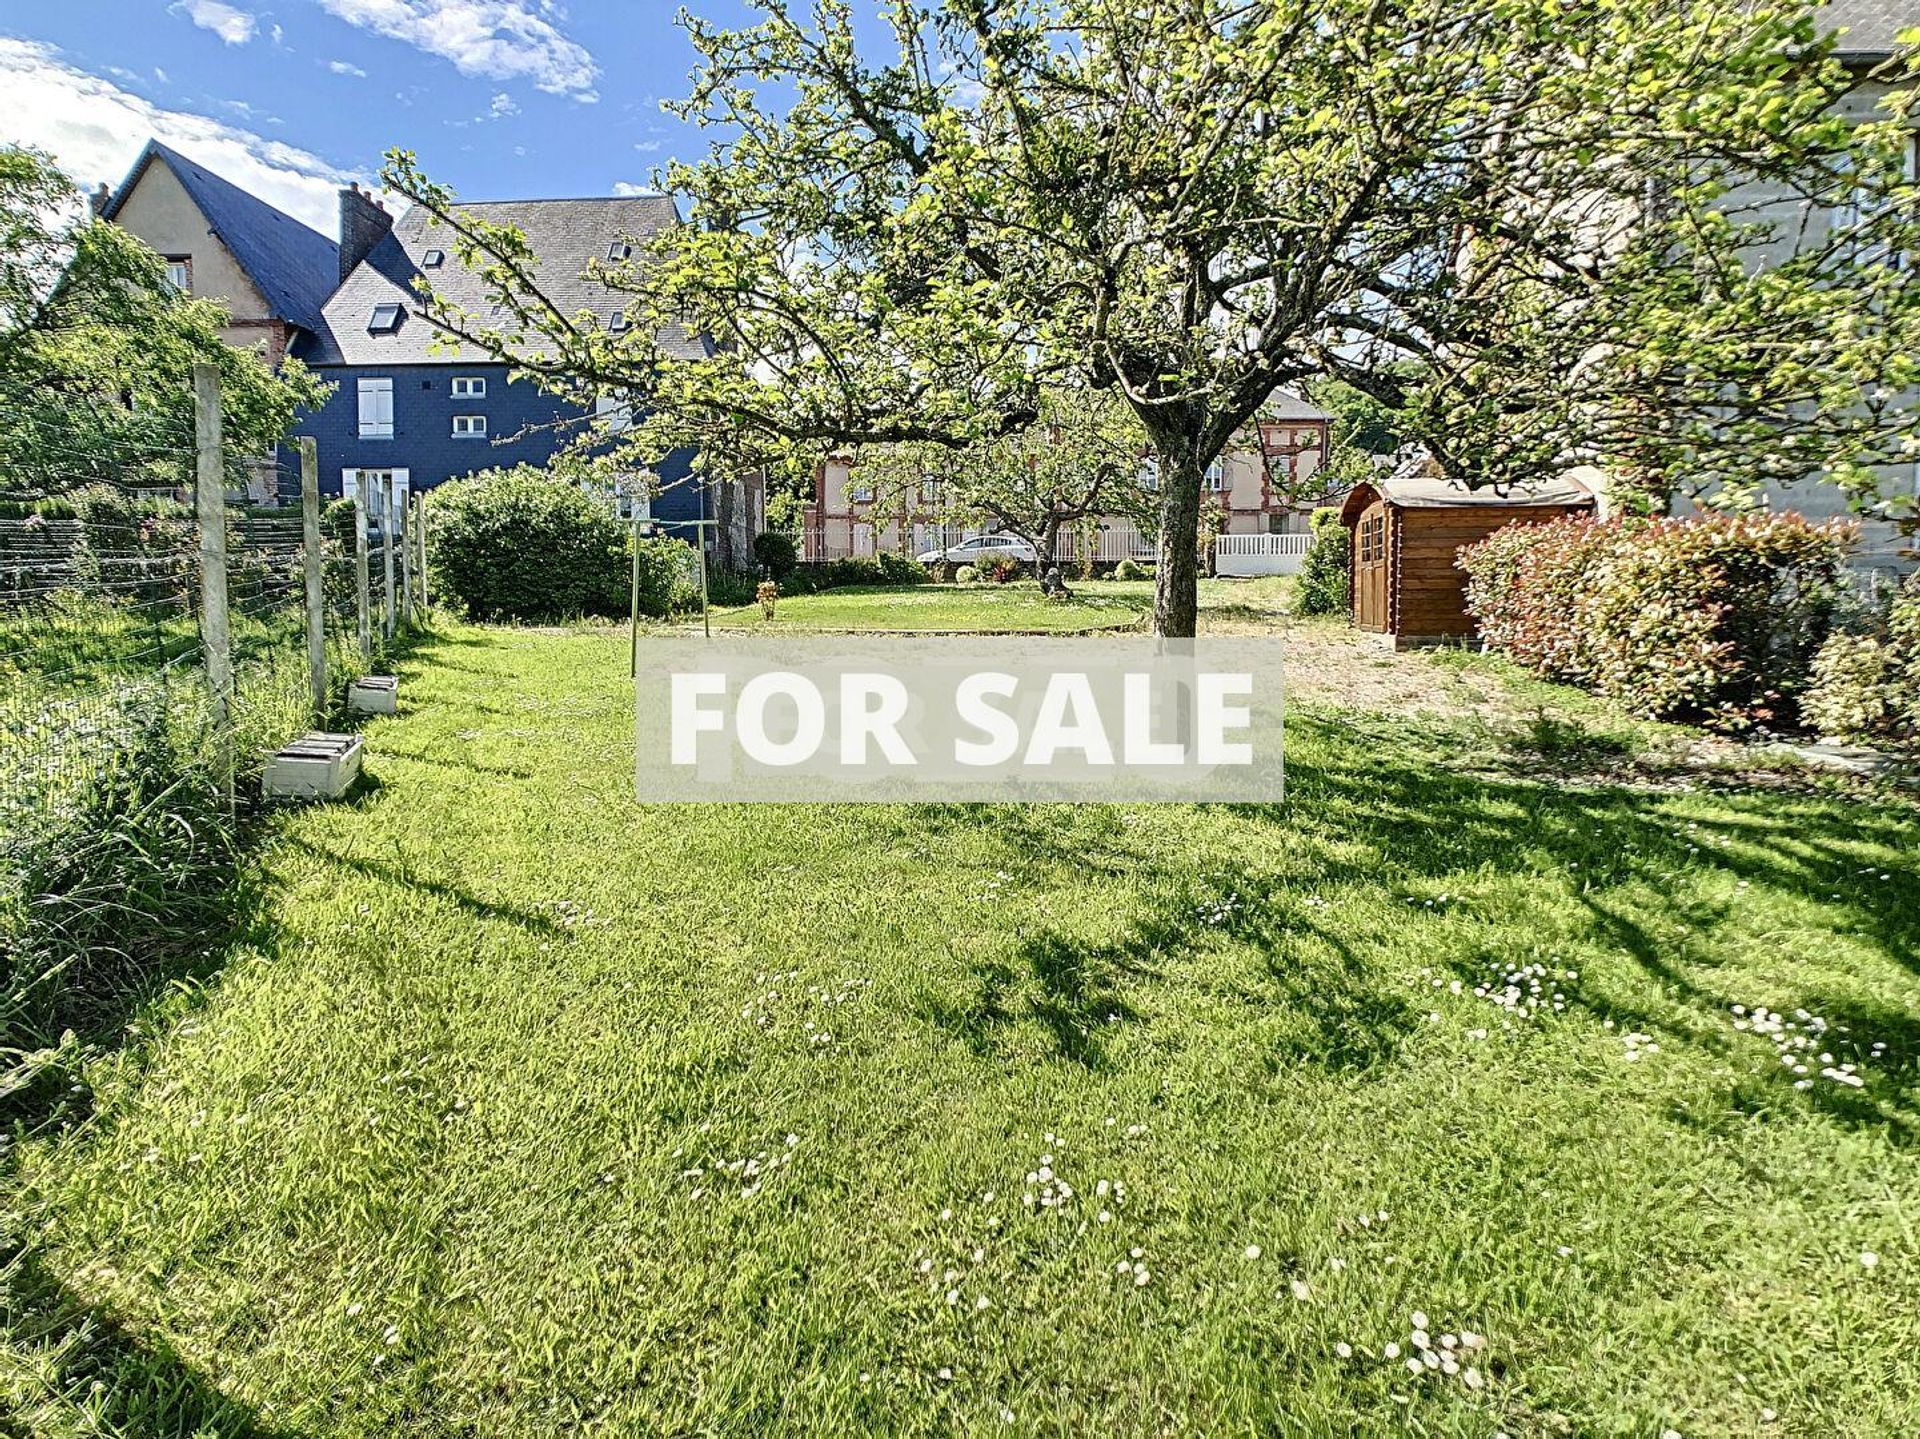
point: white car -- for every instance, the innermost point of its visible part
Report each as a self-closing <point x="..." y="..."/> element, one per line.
<point x="971" y="552"/>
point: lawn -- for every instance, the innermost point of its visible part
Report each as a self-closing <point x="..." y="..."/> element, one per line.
<point x="524" y="1111"/>
<point x="1096" y="604"/>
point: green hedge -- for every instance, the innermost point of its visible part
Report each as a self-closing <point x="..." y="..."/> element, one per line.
<point x="520" y="544"/>
<point x="855" y="570"/>
<point x="1717" y="619"/>
<point x="1324" y="574"/>
<point x="1866" y="687"/>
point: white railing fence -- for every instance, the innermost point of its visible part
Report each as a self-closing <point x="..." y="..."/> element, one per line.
<point x="1260" y="554"/>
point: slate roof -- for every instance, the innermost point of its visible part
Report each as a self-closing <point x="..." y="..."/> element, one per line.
<point x="1868" y="27"/>
<point x="1284" y="405"/>
<point x="294" y="268"/>
<point x="566" y="236"/>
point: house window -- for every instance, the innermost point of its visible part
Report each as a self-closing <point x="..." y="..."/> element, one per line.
<point x="469" y="387"/>
<point x="619" y="250"/>
<point x="376" y="409"/>
<point x="469" y="425"/>
<point x="180" y="273"/>
<point x="1150" y="474"/>
<point x="384" y="320"/>
<point x="861" y="494"/>
<point x="1216" y="477"/>
<point x="633" y="504"/>
<point x="433" y="259"/>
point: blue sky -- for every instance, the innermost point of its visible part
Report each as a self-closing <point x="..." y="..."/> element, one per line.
<point x="500" y="98"/>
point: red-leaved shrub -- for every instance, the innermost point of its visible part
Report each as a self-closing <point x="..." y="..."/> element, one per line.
<point x="1715" y="618"/>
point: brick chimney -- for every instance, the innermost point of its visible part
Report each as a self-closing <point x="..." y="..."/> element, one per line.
<point x="99" y="200"/>
<point x="363" y="223"/>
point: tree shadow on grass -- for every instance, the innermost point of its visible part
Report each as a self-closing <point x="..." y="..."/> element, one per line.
<point x="1622" y="855"/>
<point x="404" y="878"/>
<point x="87" y="1363"/>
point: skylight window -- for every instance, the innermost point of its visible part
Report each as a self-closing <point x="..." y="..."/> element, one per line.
<point x="619" y="250"/>
<point x="433" y="259"/>
<point x="384" y="320"/>
<point x="619" y="322"/>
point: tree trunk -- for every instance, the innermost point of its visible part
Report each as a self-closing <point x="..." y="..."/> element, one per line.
<point x="1176" y="592"/>
<point x="729" y="561"/>
<point x="1049" y="539"/>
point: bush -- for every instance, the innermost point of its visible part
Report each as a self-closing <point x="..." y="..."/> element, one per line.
<point x="997" y="569"/>
<point x="1866" y="687"/>
<point x="1717" y="619"/>
<point x="1324" y="581"/>
<point x="521" y="545"/>
<point x="775" y="553"/>
<point x="966" y="575"/>
<point x="856" y="570"/>
<point x="1129" y="569"/>
<point x="669" y="578"/>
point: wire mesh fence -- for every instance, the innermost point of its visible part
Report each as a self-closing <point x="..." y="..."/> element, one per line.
<point x="103" y="634"/>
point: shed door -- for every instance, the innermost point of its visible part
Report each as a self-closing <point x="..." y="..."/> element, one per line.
<point x="1370" y="569"/>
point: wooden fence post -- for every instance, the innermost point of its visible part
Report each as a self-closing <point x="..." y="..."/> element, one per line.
<point x="210" y="505"/>
<point x="420" y="545"/>
<point x="386" y="554"/>
<point x="362" y="570"/>
<point x="316" y="591"/>
<point x="402" y="514"/>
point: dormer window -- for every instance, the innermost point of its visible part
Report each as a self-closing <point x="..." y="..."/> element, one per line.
<point x="433" y="259"/>
<point x="385" y="319"/>
<point x="619" y="323"/>
<point x="619" y="250"/>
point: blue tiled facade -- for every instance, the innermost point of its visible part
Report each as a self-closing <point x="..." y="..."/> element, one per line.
<point x="524" y="426"/>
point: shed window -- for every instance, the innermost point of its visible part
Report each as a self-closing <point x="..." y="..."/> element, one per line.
<point x="376" y="409"/>
<point x="433" y="259"/>
<point x="384" y="320"/>
<point x="469" y="387"/>
<point x="469" y="425"/>
<point x="1373" y="539"/>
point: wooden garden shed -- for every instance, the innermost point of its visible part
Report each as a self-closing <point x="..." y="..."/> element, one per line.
<point x="1407" y="530"/>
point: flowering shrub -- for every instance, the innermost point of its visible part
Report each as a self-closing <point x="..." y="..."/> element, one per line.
<point x="1324" y="572"/>
<point x="997" y="569"/>
<point x="1717" y="618"/>
<point x="1867" y="686"/>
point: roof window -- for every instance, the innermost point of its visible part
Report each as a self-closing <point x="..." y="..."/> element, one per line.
<point x="433" y="259"/>
<point x="619" y="322"/>
<point x="384" y="320"/>
<point x="619" y="250"/>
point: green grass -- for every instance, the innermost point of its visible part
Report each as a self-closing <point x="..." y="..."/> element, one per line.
<point x="449" y="1146"/>
<point x="1019" y="606"/>
<point x="1016" y="606"/>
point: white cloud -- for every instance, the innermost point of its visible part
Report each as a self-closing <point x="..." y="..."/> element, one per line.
<point x="502" y="106"/>
<point x="342" y="67"/>
<point x="236" y="27"/>
<point x="626" y="189"/>
<point x="502" y="39"/>
<point x="95" y="130"/>
<point x="646" y="147"/>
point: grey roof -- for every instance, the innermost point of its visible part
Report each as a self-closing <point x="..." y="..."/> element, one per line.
<point x="566" y="237"/>
<point x="1868" y="27"/>
<point x="1285" y="405"/>
<point x="1419" y="485"/>
<point x="293" y="267"/>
